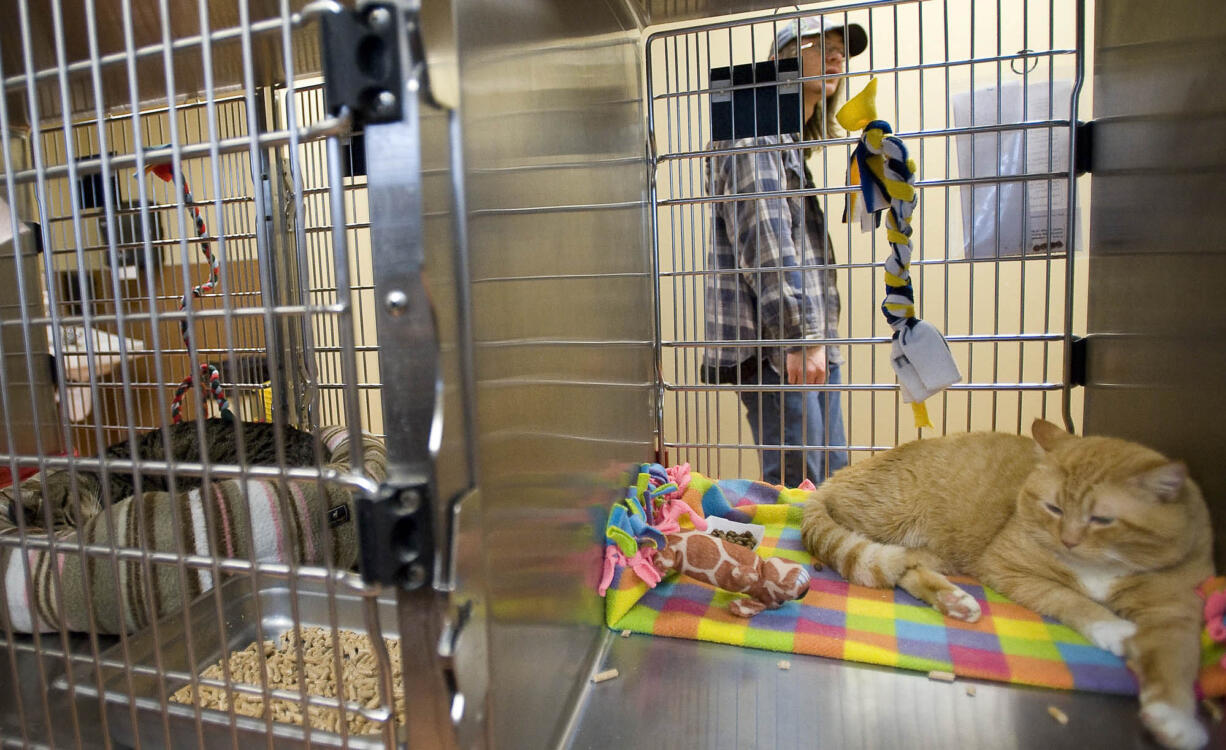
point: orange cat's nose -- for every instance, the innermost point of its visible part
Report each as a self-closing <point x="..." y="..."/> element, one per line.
<point x="1070" y="543"/>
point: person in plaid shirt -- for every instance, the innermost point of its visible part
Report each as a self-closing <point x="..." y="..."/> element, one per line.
<point x="769" y="279"/>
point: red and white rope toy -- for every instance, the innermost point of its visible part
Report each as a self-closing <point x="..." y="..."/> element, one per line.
<point x="210" y="381"/>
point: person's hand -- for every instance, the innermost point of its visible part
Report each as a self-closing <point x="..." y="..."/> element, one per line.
<point x="807" y="366"/>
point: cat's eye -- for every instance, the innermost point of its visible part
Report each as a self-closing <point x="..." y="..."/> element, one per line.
<point x="1053" y="509"/>
<point x="1101" y="520"/>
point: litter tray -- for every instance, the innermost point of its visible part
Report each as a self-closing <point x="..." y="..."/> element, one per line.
<point x="139" y="708"/>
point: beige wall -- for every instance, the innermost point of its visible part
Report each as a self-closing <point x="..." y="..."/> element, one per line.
<point x="1009" y="297"/>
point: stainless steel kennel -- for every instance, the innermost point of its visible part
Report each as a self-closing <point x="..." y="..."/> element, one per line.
<point x="475" y="231"/>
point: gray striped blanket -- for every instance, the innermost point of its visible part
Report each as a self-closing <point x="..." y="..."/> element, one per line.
<point x="255" y="519"/>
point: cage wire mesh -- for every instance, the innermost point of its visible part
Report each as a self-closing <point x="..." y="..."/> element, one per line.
<point x="231" y="208"/>
<point x="980" y="93"/>
<point x="112" y="601"/>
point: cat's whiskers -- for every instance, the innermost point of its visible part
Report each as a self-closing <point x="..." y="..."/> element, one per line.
<point x="1130" y="566"/>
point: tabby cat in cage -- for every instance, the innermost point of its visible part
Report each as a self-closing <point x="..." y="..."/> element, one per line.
<point x="220" y="438"/>
<point x="1105" y="535"/>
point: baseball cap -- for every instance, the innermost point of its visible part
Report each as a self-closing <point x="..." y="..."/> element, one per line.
<point x="855" y="38"/>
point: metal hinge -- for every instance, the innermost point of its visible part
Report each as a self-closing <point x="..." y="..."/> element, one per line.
<point x="1083" y="148"/>
<point x="377" y="51"/>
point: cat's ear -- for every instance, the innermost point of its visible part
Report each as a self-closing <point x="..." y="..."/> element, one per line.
<point x="1165" y="481"/>
<point x="1047" y="435"/>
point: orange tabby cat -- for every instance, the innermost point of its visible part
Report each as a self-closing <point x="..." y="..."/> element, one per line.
<point x="1107" y="536"/>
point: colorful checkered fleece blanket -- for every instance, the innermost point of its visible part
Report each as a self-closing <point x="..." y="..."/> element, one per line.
<point x="836" y="619"/>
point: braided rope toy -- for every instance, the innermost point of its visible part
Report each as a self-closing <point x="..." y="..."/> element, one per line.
<point x="210" y="381"/>
<point x="886" y="177"/>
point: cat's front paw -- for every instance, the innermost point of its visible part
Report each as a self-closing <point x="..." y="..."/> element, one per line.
<point x="1173" y="728"/>
<point x="1110" y="635"/>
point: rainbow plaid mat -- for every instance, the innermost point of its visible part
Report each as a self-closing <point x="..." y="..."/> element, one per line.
<point x="843" y="621"/>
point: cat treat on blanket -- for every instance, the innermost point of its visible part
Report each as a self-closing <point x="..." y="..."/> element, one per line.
<point x="715" y="523"/>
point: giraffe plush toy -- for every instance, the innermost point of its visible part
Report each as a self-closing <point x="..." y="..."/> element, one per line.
<point x="769" y="582"/>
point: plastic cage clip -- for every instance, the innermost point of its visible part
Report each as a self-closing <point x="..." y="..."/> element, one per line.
<point x="395" y="536"/>
<point x="361" y="63"/>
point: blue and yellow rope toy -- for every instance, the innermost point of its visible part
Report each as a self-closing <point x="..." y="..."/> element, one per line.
<point x="886" y="178"/>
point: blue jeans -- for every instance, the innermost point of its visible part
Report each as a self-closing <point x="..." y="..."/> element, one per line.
<point x="804" y="418"/>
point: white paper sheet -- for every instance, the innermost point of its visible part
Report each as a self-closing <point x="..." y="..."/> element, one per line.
<point x="1014" y="218"/>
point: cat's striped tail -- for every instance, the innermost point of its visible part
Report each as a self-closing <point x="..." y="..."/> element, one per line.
<point x="856" y="557"/>
<point x="865" y="562"/>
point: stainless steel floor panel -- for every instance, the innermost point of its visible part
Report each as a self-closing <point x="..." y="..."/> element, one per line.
<point x="675" y="694"/>
<point x="59" y="704"/>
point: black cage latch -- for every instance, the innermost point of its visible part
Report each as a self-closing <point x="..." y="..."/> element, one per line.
<point x="395" y="536"/>
<point x="361" y="63"/>
<point x="1083" y="161"/>
<point x="1077" y="360"/>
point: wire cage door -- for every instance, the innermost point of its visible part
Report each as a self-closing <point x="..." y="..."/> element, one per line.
<point x="985" y="96"/>
<point x="179" y="560"/>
